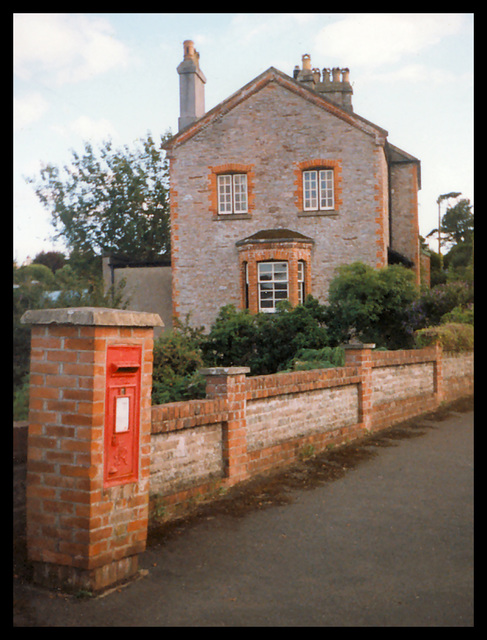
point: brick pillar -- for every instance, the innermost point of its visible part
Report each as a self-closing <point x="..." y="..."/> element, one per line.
<point x="230" y="383"/>
<point x="360" y="355"/>
<point x="82" y="532"/>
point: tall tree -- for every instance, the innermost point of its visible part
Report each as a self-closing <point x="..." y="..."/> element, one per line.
<point x="458" y="222"/>
<point x="110" y="200"/>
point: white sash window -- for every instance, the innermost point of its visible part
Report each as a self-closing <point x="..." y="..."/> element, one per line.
<point x="232" y="193"/>
<point x="318" y="190"/>
<point x="273" y="285"/>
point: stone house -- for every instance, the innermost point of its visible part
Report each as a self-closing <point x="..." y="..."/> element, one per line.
<point x="277" y="186"/>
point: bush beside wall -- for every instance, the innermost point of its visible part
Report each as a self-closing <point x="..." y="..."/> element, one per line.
<point x="452" y="336"/>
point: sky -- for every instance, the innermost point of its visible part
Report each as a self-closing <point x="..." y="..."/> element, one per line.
<point x="94" y="77"/>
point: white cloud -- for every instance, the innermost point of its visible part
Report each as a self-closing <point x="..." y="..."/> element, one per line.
<point x="28" y="109"/>
<point x="88" y="129"/>
<point x="64" y="47"/>
<point x="419" y="73"/>
<point x="262" y="28"/>
<point x="375" y="39"/>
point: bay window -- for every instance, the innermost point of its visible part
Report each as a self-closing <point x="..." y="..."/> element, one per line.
<point x="273" y="285"/>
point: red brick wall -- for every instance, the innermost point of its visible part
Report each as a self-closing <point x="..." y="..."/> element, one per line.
<point x="191" y="450"/>
<point x="324" y="402"/>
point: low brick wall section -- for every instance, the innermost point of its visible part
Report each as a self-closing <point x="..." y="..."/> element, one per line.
<point x="251" y="425"/>
<point x="286" y="415"/>
<point x="405" y="383"/>
<point x="457" y="371"/>
<point x="186" y="449"/>
<point x="288" y="411"/>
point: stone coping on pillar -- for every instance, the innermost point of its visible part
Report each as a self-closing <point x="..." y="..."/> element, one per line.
<point x="224" y="371"/>
<point x="92" y="316"/>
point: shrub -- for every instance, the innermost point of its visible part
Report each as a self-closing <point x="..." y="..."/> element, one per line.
<point x="21" y="400"/>
<point x="434" y="303"/>
<point x="371" y="305"/>
<point x="264" y="342"/>
<point x="462" y="314"/>
<point x="306" y="359"/>
<point x="232" y="340"/>
<point x="452" y="336"/>
<point x="177" y="358"/>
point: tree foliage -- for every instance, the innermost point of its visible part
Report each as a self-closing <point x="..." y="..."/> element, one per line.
<point x="52" y="259"/>
<point x="37" y="287"/>
<point x="110" y="200"/>
<point x="458" y="222"/>
<point x="457" y="236"/>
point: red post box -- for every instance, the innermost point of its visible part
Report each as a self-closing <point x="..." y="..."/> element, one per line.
<point x="122" y="414"/>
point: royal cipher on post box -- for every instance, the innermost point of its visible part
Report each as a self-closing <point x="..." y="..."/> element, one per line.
<point x="122" y="414"/>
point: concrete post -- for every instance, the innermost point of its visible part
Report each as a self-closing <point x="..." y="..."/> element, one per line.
<point x="230" y="383"/>
<point x="83" y="533"/>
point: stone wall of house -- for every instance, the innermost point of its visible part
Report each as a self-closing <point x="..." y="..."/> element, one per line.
<point x="272" y="134"/>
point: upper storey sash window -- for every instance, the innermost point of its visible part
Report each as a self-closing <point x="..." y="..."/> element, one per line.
<point x="318" y="190"/>
<point x="232" y="193"/>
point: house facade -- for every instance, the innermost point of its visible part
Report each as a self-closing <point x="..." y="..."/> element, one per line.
<point x="276" y="187"/>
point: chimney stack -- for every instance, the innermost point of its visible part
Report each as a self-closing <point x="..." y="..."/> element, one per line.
<point x="191" y="87"/>
<point x="334" y="84"/>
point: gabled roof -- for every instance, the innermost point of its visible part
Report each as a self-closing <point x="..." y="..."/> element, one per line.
<point x="255" y="85"/>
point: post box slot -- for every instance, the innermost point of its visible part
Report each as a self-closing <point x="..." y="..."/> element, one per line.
<point x="125" y="368"/>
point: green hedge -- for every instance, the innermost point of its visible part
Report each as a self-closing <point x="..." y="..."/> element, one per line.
<point x="452" y="336"/>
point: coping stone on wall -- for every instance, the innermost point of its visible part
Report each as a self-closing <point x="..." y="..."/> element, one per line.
<point x="92" y="316"/>
<point x="359" y="345"/>
<point x="224" y="371"/>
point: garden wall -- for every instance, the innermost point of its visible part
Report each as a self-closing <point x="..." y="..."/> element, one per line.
<point x="251" y="425"/>
<point x="283" y="416"/>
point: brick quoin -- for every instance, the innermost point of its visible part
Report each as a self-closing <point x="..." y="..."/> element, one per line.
<point x="82" y="534"/>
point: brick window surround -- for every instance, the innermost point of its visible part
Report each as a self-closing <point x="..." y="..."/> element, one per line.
<point x="230" y="168"/>
<point x="273" y="245"/>
<point x="318" y="163"/>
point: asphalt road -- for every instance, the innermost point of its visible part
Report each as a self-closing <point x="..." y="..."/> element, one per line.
<point x="388" y="543"/>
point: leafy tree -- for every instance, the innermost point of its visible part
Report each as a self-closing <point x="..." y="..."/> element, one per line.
<point x="457" y="231"/>
<point x="52" y="259"/>
<point x="37" y="287"/>
<point x="33" y="274"/>
<point x="110" y="200"/>
<point x="458" y="222"/>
